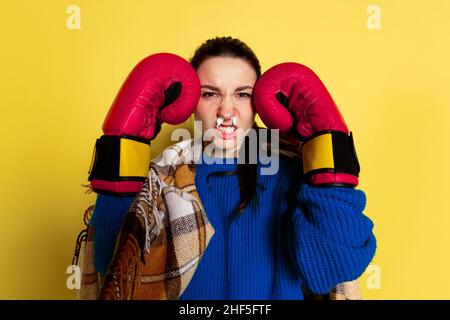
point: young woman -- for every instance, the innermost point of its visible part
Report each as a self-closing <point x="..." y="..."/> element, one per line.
<point x="275" y="234"/>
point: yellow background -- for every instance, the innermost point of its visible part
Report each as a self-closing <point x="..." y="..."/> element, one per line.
<point x="392" y="86"/>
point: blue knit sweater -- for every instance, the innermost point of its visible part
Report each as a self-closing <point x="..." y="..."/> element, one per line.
<point x="296" y="235"/>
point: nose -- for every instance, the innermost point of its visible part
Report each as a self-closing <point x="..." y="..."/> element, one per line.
<point x="226" y="109"/>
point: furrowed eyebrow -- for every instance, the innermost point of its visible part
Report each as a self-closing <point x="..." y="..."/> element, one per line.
<point x="243" y="88"/>
<point x="213" y="88"/>
<point x="210" y="87"/>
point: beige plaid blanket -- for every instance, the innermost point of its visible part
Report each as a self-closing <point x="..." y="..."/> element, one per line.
<point x="162" y="239"/>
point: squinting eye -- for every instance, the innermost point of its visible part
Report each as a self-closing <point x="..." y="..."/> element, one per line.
<point x="208" y="94"/>
<point x="244" y="95"/>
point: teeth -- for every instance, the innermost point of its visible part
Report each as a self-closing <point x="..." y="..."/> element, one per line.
<point x="227" y="129"/>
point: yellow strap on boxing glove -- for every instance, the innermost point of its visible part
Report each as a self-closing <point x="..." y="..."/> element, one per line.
<point x="330" y="151"/>
<point x="120" y="158"/>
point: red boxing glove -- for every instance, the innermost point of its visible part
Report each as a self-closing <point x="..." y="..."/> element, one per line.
<point x="290" y="96"/>
<point x="161" y="88"/>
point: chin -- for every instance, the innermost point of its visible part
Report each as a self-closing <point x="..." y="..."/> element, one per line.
<point x="225" y="145"/>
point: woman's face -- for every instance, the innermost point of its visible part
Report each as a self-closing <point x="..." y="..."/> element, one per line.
<point x="225" y="108"/>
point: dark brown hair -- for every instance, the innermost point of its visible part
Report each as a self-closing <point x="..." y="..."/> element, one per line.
<point x="247" y="172"/>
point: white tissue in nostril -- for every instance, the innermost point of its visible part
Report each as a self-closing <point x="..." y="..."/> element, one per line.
<point x="233" y="120"/>
<point x="219" y="121"/>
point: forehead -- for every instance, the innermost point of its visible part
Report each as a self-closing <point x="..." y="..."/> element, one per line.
<point x="226" y="72"/>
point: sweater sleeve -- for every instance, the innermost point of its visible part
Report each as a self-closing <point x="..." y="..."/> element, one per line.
<point x="330" y="239"/>
<point x="109" y="213"/>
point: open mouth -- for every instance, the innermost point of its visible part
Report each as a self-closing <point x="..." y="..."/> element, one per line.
<point x="226" y="130"/>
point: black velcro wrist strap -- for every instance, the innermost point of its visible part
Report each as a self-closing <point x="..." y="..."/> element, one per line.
<point x="330" y="151"/>
<point x="120" y="158"/>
